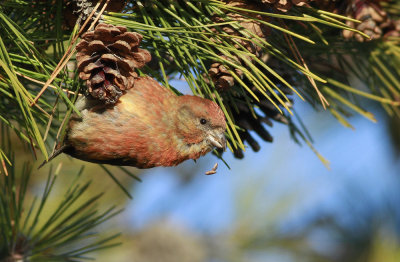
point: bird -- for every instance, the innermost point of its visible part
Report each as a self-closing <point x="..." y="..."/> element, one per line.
<point x="149" y="126"/>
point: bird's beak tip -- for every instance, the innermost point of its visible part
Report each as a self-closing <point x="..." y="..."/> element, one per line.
<point x="218" y="141"/>
<point x="223" y="143"/>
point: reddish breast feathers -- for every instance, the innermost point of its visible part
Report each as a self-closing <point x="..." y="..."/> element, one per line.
<point x="138" y="131"/>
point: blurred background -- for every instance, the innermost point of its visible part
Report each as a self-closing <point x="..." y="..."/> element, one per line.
<point x="280" y="204"/>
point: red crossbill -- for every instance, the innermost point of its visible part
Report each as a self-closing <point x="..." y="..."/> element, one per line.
<point x="149" y="126"/>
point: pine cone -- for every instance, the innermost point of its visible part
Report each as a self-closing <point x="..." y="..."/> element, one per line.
<point x="255" y="27"/>
<point x="219" y="74"/>
<point x="221" y="77"/>
<point x="373" y="18"/>
<point x="107" y="58"/>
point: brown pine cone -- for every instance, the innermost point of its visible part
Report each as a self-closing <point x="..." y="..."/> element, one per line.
<point x="373" y="18"/>
<point x="221" y="77"/>
<point x="218" y="72"/>
<point x="255" y="27"/>
<point x="107" y="58"/>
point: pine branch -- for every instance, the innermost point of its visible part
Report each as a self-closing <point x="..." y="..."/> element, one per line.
<point x="228" y="51"/>
<point x="31" y="231"/>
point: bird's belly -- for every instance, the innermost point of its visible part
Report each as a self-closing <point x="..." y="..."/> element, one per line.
<point x="129" y="136"/>
<point x="132" y="151"/>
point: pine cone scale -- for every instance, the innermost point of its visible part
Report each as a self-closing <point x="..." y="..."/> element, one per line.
<point x="98" y="78"/>
<point x="121" y="46"/>
<point x="133" y="39"/>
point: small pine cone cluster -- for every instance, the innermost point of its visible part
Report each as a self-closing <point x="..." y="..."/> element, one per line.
<point x="254" y="27"/>
<point x="218" y="72"/>
<point x="107" y="58"/>
<point x="373" y="20"/>
<point x="221" y="77"/>
<point x="284" y="5"/>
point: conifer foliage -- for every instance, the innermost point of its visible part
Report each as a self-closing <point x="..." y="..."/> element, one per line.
<point x="255" y="58"/>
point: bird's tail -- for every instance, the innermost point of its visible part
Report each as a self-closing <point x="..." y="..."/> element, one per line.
<point x="58" y="151"/>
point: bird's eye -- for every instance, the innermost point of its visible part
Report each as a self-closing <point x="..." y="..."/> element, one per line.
<point x="203" y="121"/>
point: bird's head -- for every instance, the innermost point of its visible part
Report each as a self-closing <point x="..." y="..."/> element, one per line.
<point x="200" y="121"/>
